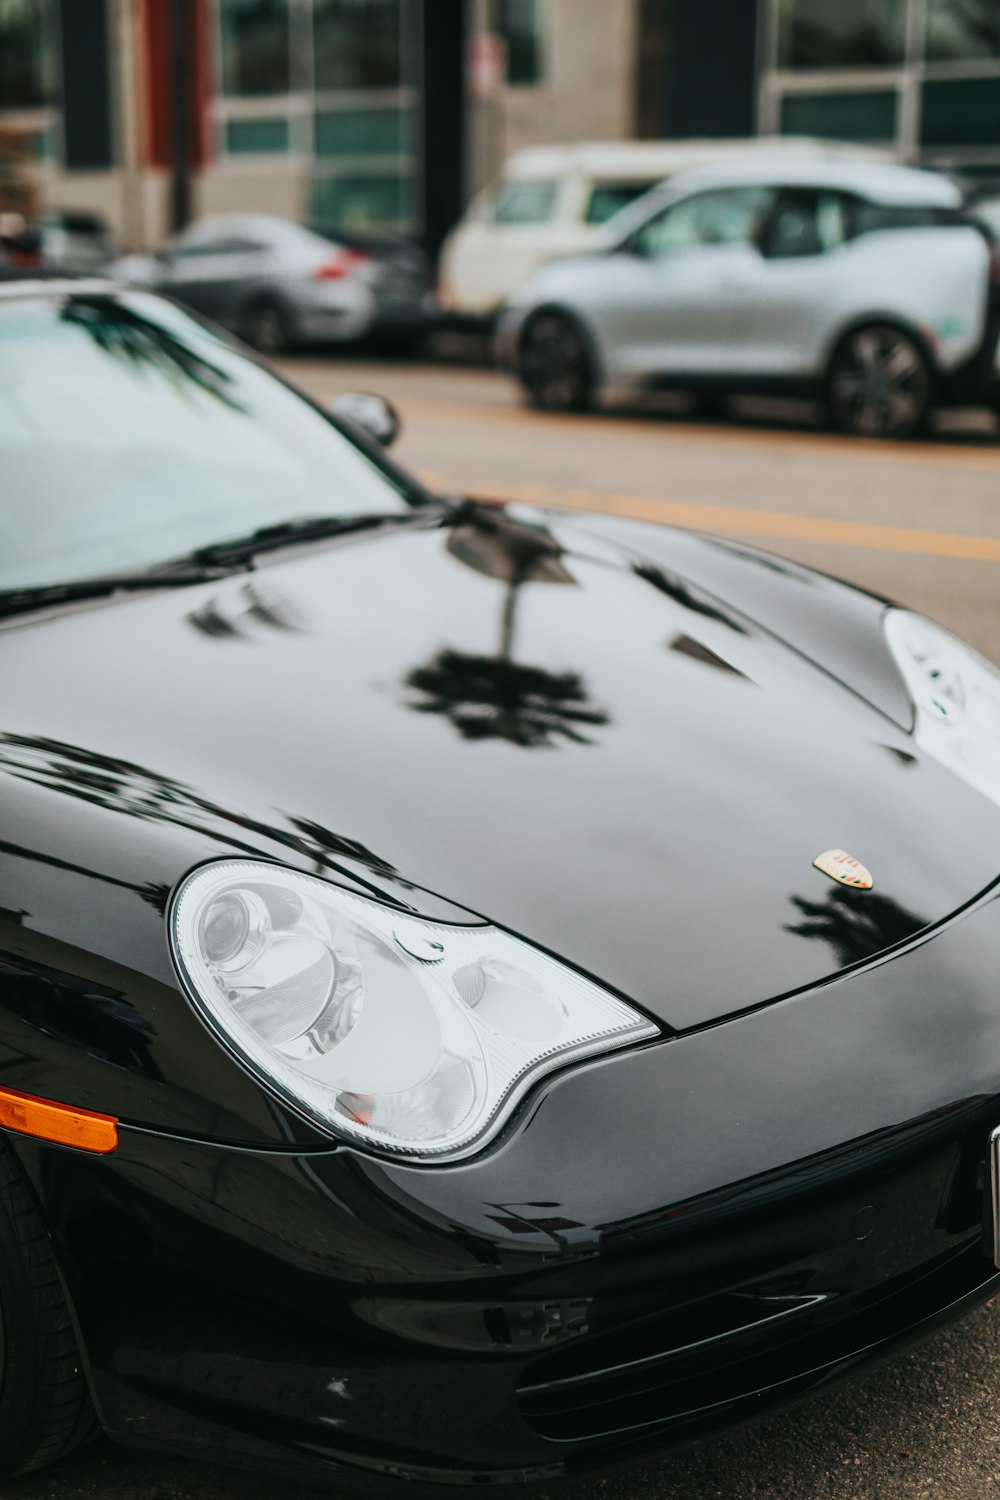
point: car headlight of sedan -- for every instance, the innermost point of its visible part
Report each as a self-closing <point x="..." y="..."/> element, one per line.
<point x="956" y="699"/>
<point x="407" y="1036"/>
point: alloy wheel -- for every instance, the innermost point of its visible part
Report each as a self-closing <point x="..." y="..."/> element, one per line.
<point x="265" y="329"/>
<point x="880" y="383"/>
<point x="554" y="365"/>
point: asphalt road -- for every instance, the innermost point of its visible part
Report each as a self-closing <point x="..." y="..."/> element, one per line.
<point x="917" y="521"/>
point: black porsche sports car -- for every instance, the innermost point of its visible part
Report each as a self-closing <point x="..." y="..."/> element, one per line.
<point x="483" y="994"/>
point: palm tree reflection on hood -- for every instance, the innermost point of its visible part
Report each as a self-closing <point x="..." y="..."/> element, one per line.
<point x="126" y="335"/>
<point x="856" y="925"/>
<point x="495" y="697"/>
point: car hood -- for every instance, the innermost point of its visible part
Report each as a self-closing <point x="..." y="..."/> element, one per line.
<point x="584" y="749"/>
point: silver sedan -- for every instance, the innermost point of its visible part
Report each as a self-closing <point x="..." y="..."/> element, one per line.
<point x="277" y="284"/>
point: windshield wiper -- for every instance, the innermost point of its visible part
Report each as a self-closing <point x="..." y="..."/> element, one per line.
<point x="214" y="561"/>
<point x="37" y="596"/>
<point x="239" y="549"/>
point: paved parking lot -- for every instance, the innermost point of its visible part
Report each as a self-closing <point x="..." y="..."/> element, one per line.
<point x="920" y="522"/>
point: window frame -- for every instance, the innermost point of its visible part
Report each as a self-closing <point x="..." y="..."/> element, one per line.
<point x="301" y="106"/>
<point x="848" y="202"/>
<point x="540" y="41"/>
<point x="906" y="79"/>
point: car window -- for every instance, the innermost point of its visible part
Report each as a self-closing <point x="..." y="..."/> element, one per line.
<point x="725" y="216"/>
<point x="525" y="203"/>
<point x="806" y="221"/>
<point x="871" y="218"/>
<point x="607" y="198"/>
<point x="130" y="434"/>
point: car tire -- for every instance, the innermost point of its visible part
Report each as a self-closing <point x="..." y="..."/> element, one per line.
<point x="45" y="1408"/>
<point x="264" y="327"/>
<point x="711" y="406"/>
<point x="880" y="383"/>
<point x="554" y="364"/>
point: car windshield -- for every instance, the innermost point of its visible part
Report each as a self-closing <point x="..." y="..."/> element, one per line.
<point x="609" y="198"/>
<point x="129" y="435"/>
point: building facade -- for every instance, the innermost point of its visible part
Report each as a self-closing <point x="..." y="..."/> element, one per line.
<point x="388" y="114"/>
<point x="919" y="76"/>
<point x="150" y="111"/>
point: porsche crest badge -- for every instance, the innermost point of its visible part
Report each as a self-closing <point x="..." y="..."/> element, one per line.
<point x="843" y="867"/>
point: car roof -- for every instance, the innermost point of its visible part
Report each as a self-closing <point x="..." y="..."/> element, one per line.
<point x="268" y="227"/>
<point x="881" y="182"/>
<point x="623" y="159"/>
<point x="56" y="286"/>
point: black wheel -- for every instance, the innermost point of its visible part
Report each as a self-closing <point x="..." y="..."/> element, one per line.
<point x="265" y="328"/>
<point x="554" y="364"/>
<point x="45" y="1408"/>
<point x="711" y="406"/>
<point x="879" y="383"/>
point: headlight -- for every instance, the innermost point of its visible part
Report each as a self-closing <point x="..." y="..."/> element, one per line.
<point x="410" y="1037"/>
<point x="956" y="698"/>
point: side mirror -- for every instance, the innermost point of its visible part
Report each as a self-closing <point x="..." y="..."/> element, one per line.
<point x="373" y="416"/>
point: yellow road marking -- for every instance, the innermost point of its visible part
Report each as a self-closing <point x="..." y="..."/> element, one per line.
<point x="734" y="520"/>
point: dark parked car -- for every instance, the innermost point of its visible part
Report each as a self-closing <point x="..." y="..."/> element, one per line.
<point x="278" y="284"/>
<point x="481" y="995"/>
<point x="63" y="241"/>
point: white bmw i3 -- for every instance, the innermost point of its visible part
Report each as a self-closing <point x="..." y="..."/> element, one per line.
<point x="863" y="283"/>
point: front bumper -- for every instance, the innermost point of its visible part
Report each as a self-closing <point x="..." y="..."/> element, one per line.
<point x="667" y="1241"/>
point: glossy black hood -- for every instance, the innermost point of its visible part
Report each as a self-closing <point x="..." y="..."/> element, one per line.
<point x="595" y="754"/>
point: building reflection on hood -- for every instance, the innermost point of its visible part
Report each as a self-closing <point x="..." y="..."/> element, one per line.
<point x="496" y="697"/>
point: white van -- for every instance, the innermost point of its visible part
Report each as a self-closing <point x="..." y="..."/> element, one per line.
<point x="553" y="200"/>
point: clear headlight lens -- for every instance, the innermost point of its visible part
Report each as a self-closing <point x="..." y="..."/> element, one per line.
<point x="407" y="1036"/>
<point x="956" y="696"/>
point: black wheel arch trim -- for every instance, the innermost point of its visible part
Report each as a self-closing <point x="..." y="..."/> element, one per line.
<point x="595" y="359"/>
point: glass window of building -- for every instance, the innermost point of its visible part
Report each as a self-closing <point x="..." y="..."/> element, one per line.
<point x="361" y="203"/>
<point x="859" y="115"/>
<point x="257" y="137"/>
<point x="841" y="33"/>
<point x="256" y="46"/>
<point x="25" y="58"/>
<point x="357" y="44"/>
<point x="519" y="23"/>
<point x="960" y="112"/>
<point x="920" y="77"/>
<point x="962" y="30"/>
<point x="363" y="132"/>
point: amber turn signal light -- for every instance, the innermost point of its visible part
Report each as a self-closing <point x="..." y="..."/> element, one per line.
<point x="61" y="1123"/>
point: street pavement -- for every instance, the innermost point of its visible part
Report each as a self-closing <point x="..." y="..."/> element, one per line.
<point x="917" y="521"/>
